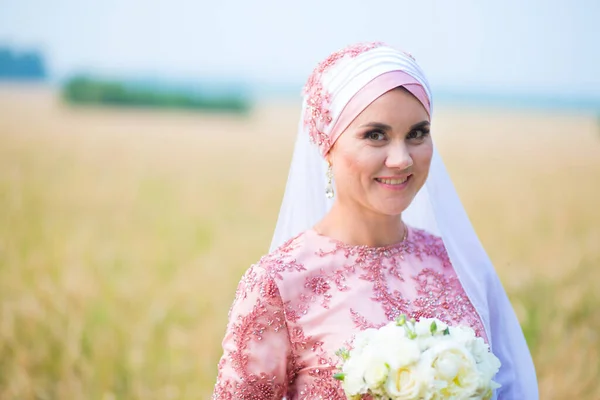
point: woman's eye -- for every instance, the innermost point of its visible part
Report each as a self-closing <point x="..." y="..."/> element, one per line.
<point x="418" y="134"/>
<point x="377" y="136"/>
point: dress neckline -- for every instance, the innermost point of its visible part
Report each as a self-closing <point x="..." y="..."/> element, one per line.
<point x="363" y="247"/>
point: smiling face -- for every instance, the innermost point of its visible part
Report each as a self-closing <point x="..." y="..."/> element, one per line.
<point x="382" y="159"/>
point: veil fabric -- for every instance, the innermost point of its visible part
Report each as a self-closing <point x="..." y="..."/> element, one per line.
<point x="436" y="208"/>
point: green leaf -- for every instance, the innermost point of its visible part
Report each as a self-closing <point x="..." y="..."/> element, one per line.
<point x="401" y="320"/>
<point x="433" y="327"/>
<point x="340" y="376"/>
<point x="446" y="331"/>
<point x="343" y="353"/>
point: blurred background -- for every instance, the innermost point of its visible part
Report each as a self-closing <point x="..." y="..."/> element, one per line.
<point x="145" y="145"/>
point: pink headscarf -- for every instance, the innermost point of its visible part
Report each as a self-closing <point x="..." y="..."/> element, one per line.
<point x="346" y="82"/>
<point x="370" y="92"/>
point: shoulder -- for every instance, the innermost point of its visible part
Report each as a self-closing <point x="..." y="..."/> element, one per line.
<point x="291" y="263"/>
<point x="289" y="257"/>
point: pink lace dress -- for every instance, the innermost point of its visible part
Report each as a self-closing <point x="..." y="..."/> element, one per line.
<point x="299" y="304"/>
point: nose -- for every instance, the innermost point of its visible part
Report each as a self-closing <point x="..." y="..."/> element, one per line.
<point x="398" y="156"/>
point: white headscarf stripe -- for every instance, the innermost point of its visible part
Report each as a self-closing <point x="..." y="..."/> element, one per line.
<point x="342" y="81"/>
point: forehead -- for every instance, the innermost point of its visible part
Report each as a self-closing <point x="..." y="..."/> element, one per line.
<point x="396" y="107"/>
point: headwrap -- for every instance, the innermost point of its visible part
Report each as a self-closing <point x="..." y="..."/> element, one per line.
<point x="341" y="87"/>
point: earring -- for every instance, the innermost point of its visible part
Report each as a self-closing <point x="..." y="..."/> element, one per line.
<point x="329" y="189"/>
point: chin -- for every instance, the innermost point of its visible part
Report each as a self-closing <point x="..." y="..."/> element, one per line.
<point x="396" y="207"/>
<point x="395" y="210"/>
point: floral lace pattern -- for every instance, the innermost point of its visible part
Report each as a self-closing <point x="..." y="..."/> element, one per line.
<point x="307" y="299"/>
<point x="317" y="116"/>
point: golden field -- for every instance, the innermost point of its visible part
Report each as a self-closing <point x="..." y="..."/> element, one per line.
<point x="123" y="235"/>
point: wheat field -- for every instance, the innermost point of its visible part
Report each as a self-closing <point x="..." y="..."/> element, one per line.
<point x="123" y="235"/>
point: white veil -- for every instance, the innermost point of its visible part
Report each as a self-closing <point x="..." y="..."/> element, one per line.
<point x="436" y="208"/>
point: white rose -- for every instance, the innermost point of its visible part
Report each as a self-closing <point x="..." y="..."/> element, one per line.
<point x="479" y="349"/>
<point x="376" y="372"/>
<point x="402" y="353"/>
<point x="485" y="392"/>
<point x="363" y="338"/>
<point x="487" y="363"/>
<point x="394" y="347"/>
<point x="454" y="369"/>
<point x="406" y="383"/>
<point x="462" y="334"/>
<point x="354" y="387"/>
<point x="354" y="370"/>
<point x="487" y="370"/>
<point x="390" y="333"/>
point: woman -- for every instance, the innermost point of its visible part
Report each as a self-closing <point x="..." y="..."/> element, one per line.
<point x="389" y="237"/>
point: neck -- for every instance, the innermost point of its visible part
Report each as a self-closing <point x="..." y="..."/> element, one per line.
<point x="357" y="227"/>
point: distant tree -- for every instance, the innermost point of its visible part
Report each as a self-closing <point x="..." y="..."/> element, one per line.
<point x="21" y="66"/>
<point x="86" y="90"/>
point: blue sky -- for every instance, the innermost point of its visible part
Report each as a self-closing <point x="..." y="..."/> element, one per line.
<point x="517" y="46"/>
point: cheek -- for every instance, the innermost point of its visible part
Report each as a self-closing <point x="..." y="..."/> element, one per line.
<point x="351" y="161"/>
<point x="361" y="163"/>
<point x="422" y="155"/>
<point x="348" y="162"/>
<point x="356" y="166"/>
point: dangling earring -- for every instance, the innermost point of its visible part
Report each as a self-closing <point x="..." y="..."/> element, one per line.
<point x="329" y="189"/>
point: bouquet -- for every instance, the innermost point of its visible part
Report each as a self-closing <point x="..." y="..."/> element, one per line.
<point x="429" y="360"/>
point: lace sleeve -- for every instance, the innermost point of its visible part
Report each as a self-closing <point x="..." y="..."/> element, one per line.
<point x="256" y="346"/>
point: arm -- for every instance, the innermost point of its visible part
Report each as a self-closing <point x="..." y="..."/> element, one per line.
<point x="256" y="347"/>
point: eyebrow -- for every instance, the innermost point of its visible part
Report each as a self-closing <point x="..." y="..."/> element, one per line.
<point x="385" y="127"/>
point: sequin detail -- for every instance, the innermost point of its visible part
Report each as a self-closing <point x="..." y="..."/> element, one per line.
<point x="317" y="115"/>
<point x="257" y="324"/>
<point x="310" y="297"/>
<point x="438" y="294"/>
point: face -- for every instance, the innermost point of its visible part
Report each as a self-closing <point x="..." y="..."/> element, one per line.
<point x="382" y="159"/>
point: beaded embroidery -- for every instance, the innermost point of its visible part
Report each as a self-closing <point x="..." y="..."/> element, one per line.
<point x="317" y="116"/>
<point x="414" y="277"/>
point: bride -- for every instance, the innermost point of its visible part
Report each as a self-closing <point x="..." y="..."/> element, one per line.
<point x="370" y="228"/>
